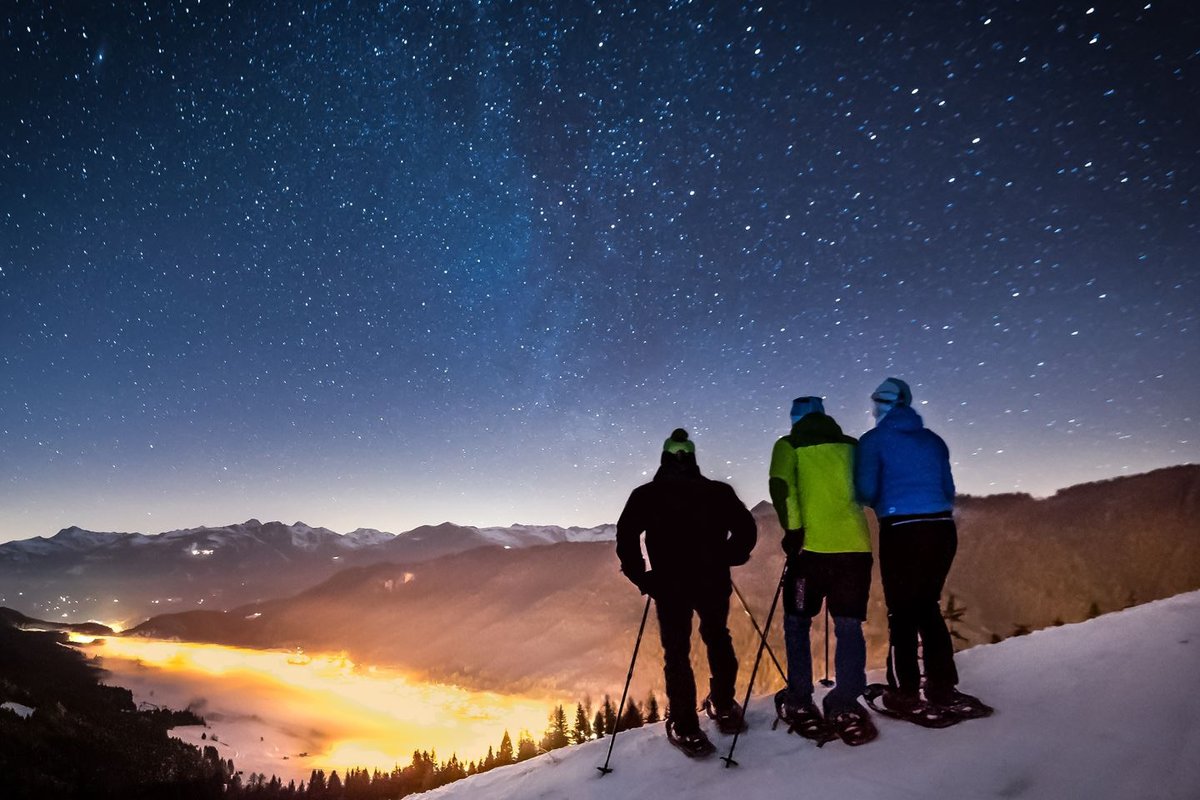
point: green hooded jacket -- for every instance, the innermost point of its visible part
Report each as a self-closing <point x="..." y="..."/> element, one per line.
<point x="812" y="486"/>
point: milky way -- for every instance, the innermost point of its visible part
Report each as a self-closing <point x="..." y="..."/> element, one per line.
<point x="391" y="263"/>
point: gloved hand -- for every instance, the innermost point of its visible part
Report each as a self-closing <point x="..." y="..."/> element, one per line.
<point x="793" y="542"/>
<point x="646" y="583"/>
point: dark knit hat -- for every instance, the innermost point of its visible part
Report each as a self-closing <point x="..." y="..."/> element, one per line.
<point x="894" y="391"/>
<point x="806" y="405"/>
<point x="678" y="442"/>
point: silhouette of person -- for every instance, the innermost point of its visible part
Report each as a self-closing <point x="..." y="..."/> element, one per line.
<point x="695" y="530"/>
<point x="828" y="547"/>
<point x="903" y="472"/>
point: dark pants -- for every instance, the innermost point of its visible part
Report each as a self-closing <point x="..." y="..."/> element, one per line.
<point x="843" y="580"/>
<point x="675" y="626"/>
<point x="914" y="559"/>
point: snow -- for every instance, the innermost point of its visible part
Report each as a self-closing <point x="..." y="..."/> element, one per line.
<point x="24" y="712"/>
<point x="519" y="535"/>
<point x="365" y="537"/>
<point x="1104" y="709"/>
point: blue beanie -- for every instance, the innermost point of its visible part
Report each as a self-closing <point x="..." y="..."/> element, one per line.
<point x="806" y="405"/>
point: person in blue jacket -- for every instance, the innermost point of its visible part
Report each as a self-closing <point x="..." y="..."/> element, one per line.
<point x="902" y="471"/>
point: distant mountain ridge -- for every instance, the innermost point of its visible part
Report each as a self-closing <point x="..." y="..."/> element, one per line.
<point x="126" y="577"/>
<point x="563" y="617"/>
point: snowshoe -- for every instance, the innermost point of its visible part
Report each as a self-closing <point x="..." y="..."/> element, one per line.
<point x="804" y="720"/>
<point x="961" y="705"/>
<point x="694" y="744"/>
<point x="882" y="699"/>
<point x="853" y="726"/>
<point x="730" y="720"/>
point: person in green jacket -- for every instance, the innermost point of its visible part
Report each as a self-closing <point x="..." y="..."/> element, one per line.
<point x="828" y="548"/>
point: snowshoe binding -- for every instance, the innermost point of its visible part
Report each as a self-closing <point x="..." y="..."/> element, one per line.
<point x="853" y="726"/>
<point x="884" y="700"/>
<point x="961" y="705"/>
<point x="694" y="744"/>
<point x="804" y="720"/>
<point x="730" y="720"/>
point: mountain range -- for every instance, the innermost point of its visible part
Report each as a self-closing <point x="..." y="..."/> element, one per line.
<point x="79" y="575"/>
<point x="525" y="607"/>
<point x="562" y="617"/>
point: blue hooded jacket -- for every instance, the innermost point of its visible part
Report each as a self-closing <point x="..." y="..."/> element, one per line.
<point x="903" y="468"/>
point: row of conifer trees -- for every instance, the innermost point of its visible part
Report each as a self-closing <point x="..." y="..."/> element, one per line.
<point x="426" y="771"/>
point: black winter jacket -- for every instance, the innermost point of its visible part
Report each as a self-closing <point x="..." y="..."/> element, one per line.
<point x="696" y="529"/>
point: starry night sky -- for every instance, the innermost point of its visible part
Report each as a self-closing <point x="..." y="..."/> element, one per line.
<point x="383" y="264"/>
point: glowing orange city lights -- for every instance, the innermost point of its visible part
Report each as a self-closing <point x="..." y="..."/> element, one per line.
<point x="321" y="710"/>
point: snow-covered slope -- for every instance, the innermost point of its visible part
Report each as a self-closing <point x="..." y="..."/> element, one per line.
<point x="1105" y="710"/>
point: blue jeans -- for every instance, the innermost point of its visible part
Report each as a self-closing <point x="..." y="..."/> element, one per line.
<point x="850" y="662"/>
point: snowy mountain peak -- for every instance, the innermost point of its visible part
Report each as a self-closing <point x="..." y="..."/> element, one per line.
<point x="80" y="539"/>
<point x="366" y="537"/>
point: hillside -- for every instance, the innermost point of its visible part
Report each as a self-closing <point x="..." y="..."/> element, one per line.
<point x="1096" y="710"/>
<point x="562" y="617"/>
<point x="62" y="734"/>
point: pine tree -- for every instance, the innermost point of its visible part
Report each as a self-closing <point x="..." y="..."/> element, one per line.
<point x="598" y="725"/>
<point x="556" y="732"/>
<point x="582" y="731"/>
<point x="652" y="712"/>
<point x="506" y="755"/>
<point x="1021" y="629"/>
<point x="610" y="715"/>
<point x="631" y="717"/>
<point x="953" y="614"/>
<point x="526" y="747"/>
<point x="1093" y="610"/>
<point x="316" y="783"/>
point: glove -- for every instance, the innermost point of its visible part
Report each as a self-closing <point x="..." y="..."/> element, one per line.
<point x="793" y="542"/>
<point x="646" y="583"/>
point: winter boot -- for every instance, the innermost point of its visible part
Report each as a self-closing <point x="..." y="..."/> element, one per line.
<point x="883" y="699"/>
<point x="803" y="719"/>
<point x="962" y="706"/>
<point x="694" y="744"/>
<point x="853" y="725"/>
<point x="729" y="720"/>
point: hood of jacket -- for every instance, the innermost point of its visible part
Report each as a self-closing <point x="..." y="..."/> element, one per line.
<point x="817" y="428"/>
<point x="901" y="418"/>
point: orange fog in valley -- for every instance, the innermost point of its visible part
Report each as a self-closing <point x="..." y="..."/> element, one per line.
<point x="275" y="712"/>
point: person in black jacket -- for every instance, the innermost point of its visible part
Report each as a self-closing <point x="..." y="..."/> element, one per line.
<point x="696" y="529"/>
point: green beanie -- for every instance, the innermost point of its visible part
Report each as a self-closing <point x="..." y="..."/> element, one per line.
<point x="678" y="442"/>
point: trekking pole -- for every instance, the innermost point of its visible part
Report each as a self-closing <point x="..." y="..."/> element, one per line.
<point x="825" y="681"/>
<point x="758" y="630"/>
<point x="729" y="762"/>
<point x="625" y="692"/>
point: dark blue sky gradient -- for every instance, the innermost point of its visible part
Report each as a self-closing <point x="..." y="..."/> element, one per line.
<point x="391" y="263"/>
